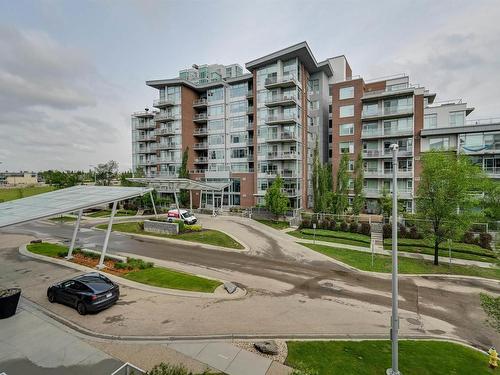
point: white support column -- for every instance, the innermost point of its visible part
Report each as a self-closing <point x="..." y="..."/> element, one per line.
<point x="106" y="239"/>
<point x="75" y="233"/>
<point x="201" y="198"/>
<point x="221" y="200"/>
<point x="153" y="202"/>
<point x="213" y="203"/>
<point x="177" y="205"/>
<point x="190" y="200"/>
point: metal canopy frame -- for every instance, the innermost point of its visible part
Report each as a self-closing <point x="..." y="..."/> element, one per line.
<point x="173" y="185"/>
<point x="73" y="199"/>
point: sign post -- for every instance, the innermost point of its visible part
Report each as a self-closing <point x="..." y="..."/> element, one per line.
<point x="314" y="227"/>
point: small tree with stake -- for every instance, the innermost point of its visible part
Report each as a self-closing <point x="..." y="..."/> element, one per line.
<point x="359" y="198"/>
<point x="276" y="201"/>
<point x="445" y="196"/>
<point x="183" y="173"/>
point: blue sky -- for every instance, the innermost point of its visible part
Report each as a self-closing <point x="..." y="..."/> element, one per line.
<point x="71" y="72"/>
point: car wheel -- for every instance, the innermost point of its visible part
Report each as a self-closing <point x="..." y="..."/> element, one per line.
<point x="51" y="297"/>
<point x="80" y="307"/>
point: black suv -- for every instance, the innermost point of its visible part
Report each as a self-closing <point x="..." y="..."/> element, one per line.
<point x="90" y="292"/>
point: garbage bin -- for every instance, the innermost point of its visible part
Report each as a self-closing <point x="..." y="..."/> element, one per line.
<point x="9" y="298"/>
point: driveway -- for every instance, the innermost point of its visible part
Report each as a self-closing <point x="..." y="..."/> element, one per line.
<point x="292" y="291"/>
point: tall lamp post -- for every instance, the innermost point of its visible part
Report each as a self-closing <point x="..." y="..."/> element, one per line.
<point x="394" y="370"/>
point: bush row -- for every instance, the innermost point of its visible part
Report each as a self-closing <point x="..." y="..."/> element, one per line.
<point x="484" y="239"/>
<point x="331" y="224"/>
<point x="133" y="264"/>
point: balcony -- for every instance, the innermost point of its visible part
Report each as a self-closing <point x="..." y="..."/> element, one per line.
<point x="478" y="149"/>
<point x="282" y="173"/>
<point x="282" y="119"/>
<point x="291" y="192"/>
<point x="200" y="146"/>
<point x="250" y="110"/>
<point x="386" y="174"/>
<point x="377" y="193"/>
<point x="163" y="103"/>
<point x="147" y="138"/>
<point x="388" y="92"/>
<point x="147" y="150"/>
<point x="198" y="171"/>
<point x="165" y="131"/>
<point x="250" y="125"/>
<point x="145" y="126"/>
<point x="166" y="161"/>
<point x="200" y="103"/>
<point x="200" y="131"/>
<point x="382" y="133"/>
<point x="250" y="94"/>
<point x="146" y="163"/>
<point x="200" y="117"/>
<point x="492" y="172"/>
<point x="201" y="160"/>
<point x="282" y="155"/>
<point x="285" y="81"/>
<point x="402" y="153"/>
<point x="281" y="100"/>
<point x="283" y="137"/>
<point x="167" y="145"/>
<point x="164" y="117"/>
<point x="143" y="114"/>
<point x="387" y="112"/>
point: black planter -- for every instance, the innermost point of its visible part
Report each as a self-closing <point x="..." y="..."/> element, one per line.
<point x="8" y="304"/>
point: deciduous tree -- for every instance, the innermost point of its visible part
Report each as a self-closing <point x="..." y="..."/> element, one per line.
<point x="276" y="200"/>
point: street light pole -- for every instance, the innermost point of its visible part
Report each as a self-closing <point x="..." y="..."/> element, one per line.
<point x="394" y="318"/>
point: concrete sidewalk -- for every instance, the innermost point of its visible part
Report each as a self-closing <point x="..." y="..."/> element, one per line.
<point x="30" y="344"/>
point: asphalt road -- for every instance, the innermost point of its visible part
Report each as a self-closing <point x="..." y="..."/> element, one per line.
<point x="275" y="261"/>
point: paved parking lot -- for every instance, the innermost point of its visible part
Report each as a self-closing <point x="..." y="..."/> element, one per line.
<point x="31" y="344"/>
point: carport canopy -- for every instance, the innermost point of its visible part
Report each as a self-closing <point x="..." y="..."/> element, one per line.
<point x="175" y="184"/>
<point x="73" y="199"/>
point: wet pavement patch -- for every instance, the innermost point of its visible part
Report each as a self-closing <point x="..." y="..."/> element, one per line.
<point x="114" y="319"/>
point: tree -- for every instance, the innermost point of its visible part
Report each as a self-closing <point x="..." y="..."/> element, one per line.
<point x="276" y="201"/>
<point x="491" y="200"/>
<point x="447" y="196"/>
<point x="317" y="201"/>
<point x="124" y="176"/>
<point x="183" y="173"/>
<point x="106" y="172"/>
<point x="359" y="198"/>
<point x="342" y="186"/>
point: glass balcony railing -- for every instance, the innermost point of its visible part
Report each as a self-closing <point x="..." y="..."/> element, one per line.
<point x="163" y="102"/>
<point x="402" y="152"/>
<point x="200" y="117"/>
<point x="387" y="111"/>
<point x="383" y="132"/>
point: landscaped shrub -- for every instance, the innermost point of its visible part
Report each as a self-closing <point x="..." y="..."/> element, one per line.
<point x="469" y="237"/>
<point x="141" y="225"/>
<point x="325" y="223"/>
<point x="134" y="263"/>
<point x="353" y="227"/>
<point x="120" y="265"/>
<point x="305" y="223"/>
<point x="365" y="229"/>
<point x="181" y="225"/>
<point x="193" y="228"/>
<point x="402" y="233"/>
<point x="166" y="369"/>
<point x="344" y="226"/>
<point x="387" y="231"/>
<point x="414" y="234"/>
<point x="485" y="240"/>
<point x="333" y="225"/>
<point x="62" y="253"/>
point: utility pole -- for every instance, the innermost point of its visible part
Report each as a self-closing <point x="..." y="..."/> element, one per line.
<point x="394" y="370"/>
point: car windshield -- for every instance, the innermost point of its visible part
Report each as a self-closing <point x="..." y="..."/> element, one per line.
<point x="187" y="214"/>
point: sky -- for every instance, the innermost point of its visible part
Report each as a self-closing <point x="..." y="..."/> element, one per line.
<point x="72" y="72"/>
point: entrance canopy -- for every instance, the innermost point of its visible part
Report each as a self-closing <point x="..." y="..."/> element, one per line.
<point x="170" y="185"/>
<point x="62" y="201"/>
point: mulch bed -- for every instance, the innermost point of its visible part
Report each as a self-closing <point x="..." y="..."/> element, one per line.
<point x="79" y="258"/>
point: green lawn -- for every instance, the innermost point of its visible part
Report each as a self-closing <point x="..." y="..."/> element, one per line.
<point x="166" y="278"/>
<point x="106" y="213"/>
<point x="156" y="276"/>
<point x="383" y="263"/>
<point x="346" y="238"/>
<point x="9" y="194"/>
<point x="374" y="357"/>
<point x="207" y="236"/>
<point x="458" y="250"/>
<point x="63" y="219"/>
<point x="47" y="249"/>
<point x="276" y="224"/>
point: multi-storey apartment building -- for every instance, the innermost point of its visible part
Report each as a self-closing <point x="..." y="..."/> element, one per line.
<point x="242" y="128"/>
<point x="247" y="127"/>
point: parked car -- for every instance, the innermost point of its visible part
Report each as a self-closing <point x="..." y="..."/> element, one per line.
<point x="186" y="216"/>
<point x="90" y="292"/>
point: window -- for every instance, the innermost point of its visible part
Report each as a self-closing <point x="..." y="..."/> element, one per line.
<point x="430" y="121"/>
<point x="457" y="118"/>
<point x="216" y="154"/>
<point x="238" y="122"/>
<point x="398" y="105"/>
<point x="439" y="143"/>
<point x="228" y="72"/>
<point x="215" y="94"/>
<point x="346" y="92"/>
<point x="350" y="166"/>
<point x="215" y="125"/>
<point x="216" y="139"/>
<point x="347" y="110"/>
<point x="346" y="147"/>
<point x="237" y="107"/>
<point x="370" y="109"/>
<point x="239" y="137"/>
<point x="239" y="90"/>
<point x="216" y="110"/>
<point x="237" y="153"/>
<point x="346" y="129"/>
<point x="314" y="86"/>
<point x="399" y="86"/>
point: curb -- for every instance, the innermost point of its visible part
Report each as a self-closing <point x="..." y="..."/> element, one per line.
<point x="233" y="336"/>
<point x="219" y="292"/>
<point x="183" y="242"/>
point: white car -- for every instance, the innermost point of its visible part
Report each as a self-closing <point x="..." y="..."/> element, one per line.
<point x="186" y="216"/>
